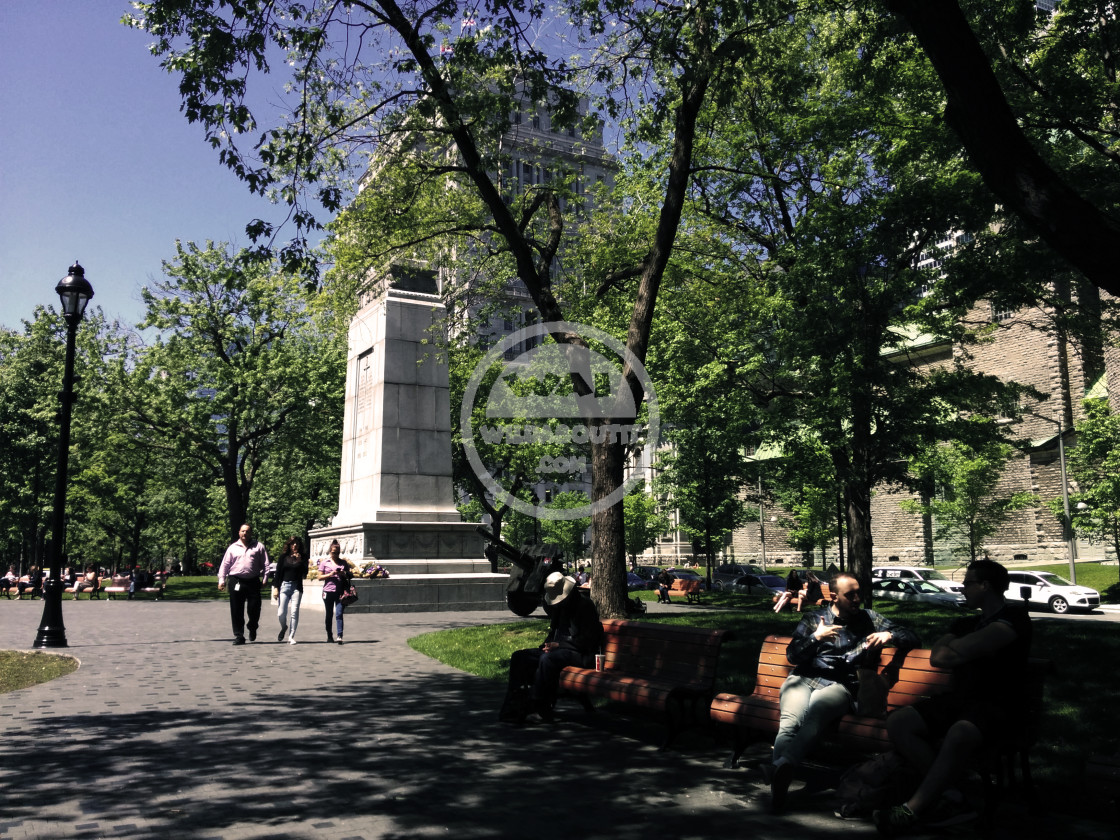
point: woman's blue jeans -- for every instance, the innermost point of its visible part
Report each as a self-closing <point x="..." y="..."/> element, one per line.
<point x="333" y="606"/>
<point x="288" y="611"/>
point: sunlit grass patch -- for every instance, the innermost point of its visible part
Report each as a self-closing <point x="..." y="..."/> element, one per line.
<point x="20" y="670"/>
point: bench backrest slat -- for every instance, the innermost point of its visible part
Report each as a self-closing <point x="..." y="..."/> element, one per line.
<point x="662" y="651"/>
<point x="914" y="679"/>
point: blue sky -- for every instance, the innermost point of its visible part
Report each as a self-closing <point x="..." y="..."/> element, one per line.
<point x="96" y="161"/>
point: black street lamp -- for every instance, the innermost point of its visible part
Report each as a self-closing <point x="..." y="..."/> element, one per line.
<point x="74" y="291"/>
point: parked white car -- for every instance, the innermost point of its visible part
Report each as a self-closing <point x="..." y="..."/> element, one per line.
<point x="916" y="573"/>
<point x="915" y="591"/>
<point x="1046" y="589"/>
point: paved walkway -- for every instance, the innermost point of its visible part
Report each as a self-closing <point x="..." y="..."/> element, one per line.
<point x="167" y="730"/>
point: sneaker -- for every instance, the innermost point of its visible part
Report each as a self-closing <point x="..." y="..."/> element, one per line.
<point x="848" y="812"/>
<point x="894" y="821"/>
<point x="779" y="786"/>
<point x="252" y="635"/>
<point x="768" y="770"/>
<point x="280" y="637"/>
<point x="949" y="811"/>
<point x="292" y="640"/>
<point x="239" y="640"/>
<point x="340" y="640"/>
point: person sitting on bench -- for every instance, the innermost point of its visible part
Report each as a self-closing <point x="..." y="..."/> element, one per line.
<point x="575" y="635"/>
<point x="988" y="652"/>
<point x="827" y="648"/>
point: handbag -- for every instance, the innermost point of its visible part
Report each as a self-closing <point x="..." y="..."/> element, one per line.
<point x="871" y="698"/>
<point x="348" y="597"/>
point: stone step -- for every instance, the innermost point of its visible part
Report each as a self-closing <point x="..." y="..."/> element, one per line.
<point x="435" y="567"/>
<point x="420" y="593"/>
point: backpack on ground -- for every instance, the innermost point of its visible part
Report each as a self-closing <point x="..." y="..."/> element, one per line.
<point x="882" y="781"/>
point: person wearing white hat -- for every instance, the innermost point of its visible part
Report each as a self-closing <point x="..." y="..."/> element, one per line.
<point x="575" y="635"/>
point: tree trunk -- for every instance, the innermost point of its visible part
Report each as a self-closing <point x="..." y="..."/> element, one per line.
<point x="234" y="505"/>
<point x="859" y="536"/>
<point x="608" y="571"/>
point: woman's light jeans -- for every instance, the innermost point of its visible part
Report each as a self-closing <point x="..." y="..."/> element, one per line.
<point x="289" y="607"/>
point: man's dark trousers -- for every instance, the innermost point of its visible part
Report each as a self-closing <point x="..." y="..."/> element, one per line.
<point x="244" y="591"/>
<point x="542" y="670"/>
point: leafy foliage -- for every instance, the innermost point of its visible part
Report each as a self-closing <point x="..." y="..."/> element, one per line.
<point x="238" y="371"/>
<point x="967" y="507"/>
<point x="1094" y="466"/>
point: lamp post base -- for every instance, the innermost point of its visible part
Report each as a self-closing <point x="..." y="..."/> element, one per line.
<point x="52" y="632"/>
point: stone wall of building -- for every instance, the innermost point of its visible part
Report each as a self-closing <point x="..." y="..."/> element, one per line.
<point x="1018" y="349"/>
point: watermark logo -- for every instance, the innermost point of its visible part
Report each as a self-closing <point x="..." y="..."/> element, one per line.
<point x="533" y="408"/>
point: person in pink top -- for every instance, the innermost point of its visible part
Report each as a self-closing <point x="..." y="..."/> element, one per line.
<point x="244" y="565"/>
<point x="335" y="574"/>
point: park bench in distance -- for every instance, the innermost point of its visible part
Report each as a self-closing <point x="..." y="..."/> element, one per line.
<point x="688" y="587"/>
<point x="668" y="670"/>
<point x="120" y="585"/>
<point x="911" y="677"/>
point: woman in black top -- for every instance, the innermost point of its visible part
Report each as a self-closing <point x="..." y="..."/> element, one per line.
<point x="287" y="586"/>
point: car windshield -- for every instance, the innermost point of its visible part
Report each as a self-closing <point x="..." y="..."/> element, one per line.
<point x="932" y="574"/>
<point x="772" y="580"/>
<point x="922" y="586"/>
<point x="1053" y="579"/>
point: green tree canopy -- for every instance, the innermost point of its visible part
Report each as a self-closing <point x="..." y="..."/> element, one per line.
<point x="239" y="367"/>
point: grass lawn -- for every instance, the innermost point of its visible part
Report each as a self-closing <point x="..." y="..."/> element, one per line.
<point x="1082" y="687"/>
<point x="20" y="670"/>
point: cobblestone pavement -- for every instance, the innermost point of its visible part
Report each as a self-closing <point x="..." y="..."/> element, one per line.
<point x="167" y="730"/>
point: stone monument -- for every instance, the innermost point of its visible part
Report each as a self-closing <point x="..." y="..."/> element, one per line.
<point x="395" y="498"/>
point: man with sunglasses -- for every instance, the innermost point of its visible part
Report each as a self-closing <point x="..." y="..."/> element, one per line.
<point x="988" y="652"/>
<point x="828" y="647"/>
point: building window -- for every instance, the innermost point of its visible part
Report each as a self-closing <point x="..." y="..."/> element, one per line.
<point x="999" y="315"/>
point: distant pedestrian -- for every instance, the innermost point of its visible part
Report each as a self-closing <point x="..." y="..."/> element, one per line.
<point x="335" y="573"/>
<point x="9" y="580"/>
<point x="137" y="580"/>
<point x="287" y="586"/>
<point x="793" y="587"/>
<point x="811" y="591"/>
<point x="34" y="583"/>
<point x="244" y="564"/>
<point x="89" y="581"/>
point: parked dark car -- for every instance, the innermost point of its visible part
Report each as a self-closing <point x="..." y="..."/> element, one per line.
<point x="634" y="581"/>
<point x="920" y="591"/>
<point x="756" y="585"/>
<point x="727" y="573"/>
<point x="648" y="572"/>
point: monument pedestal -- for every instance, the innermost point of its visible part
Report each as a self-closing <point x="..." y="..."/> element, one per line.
<point x="395" y="498"/>
<point x="433" y="566"/>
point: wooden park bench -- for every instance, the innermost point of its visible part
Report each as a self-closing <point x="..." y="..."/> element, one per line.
<point x="911" y="677"/>
<point x="668" y="670"/>
<point x="688" y="587"/>
<point x="120" y="585"/>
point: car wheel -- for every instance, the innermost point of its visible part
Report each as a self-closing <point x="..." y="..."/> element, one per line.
<point x="1059" y="605"/>
<point x="718" y="585"/>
